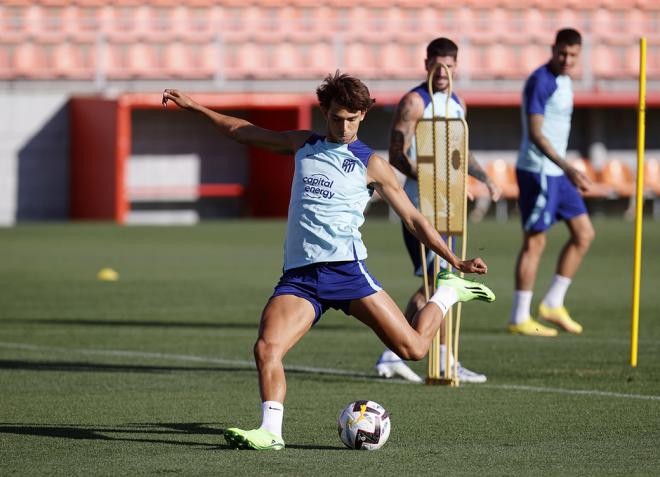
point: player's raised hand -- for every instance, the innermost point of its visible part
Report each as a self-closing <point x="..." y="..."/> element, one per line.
<point x="180" y="99"/>
<point x="579" y="179"/>
<point x="474" y="265"/>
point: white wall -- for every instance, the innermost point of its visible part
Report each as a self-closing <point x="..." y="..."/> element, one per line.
<point x="34" y="156"/>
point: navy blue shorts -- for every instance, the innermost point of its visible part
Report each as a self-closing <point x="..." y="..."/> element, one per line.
<point x="328" y="285"/>
<point x="412" y="245"/>
<point x="545" y="199"/>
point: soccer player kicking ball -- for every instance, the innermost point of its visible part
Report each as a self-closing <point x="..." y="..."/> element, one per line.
<point x="324" y="254"/>
<point x="415" y="105"/>
<point x="549" y="190"/>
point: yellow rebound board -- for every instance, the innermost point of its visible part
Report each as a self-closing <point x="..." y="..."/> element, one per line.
<point x="442" y="172"/>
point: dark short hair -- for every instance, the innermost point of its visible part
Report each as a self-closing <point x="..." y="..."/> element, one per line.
<point x="442" y="47"/>
<point x="346" y="91"/>
<point x="568" y="36"/>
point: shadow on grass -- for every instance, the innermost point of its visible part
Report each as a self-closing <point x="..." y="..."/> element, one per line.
<point x="312" y="447"/>
<point x="106" y="433"/>
<point x="150" y="430"/>
<point x="242" y="367"/>
<point x="156" y="324"/>
<point x="72" y="366"/>
<point x="136" y="323"/>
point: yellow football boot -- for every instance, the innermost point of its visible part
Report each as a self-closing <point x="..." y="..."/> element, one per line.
<point x="531" y="327"/>
<point x="559" y="316"/>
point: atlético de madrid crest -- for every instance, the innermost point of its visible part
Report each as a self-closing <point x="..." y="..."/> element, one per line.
<point x="348" y="165"/>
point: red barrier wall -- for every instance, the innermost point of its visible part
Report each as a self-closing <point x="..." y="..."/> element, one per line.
<point x="100" y="147"/>
<point x="270" y="174"/>
<point x="100" y="142"/>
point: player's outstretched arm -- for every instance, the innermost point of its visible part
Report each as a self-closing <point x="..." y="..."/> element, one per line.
<point x="408" y="112"/>
<point x="535" y="126"/>
<point x="240" y="130"/>
<point x="381" y="176"/>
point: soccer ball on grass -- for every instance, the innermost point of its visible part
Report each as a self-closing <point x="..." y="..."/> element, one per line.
<point x="364" y="425"/>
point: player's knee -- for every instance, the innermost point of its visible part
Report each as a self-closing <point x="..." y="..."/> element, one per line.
<point x="416" y="354"/>
<point x="585" y="237"/>
<point x="265" y="352"/>
<point x="535" y="244"/>
<point x="420" y="299"/>
<point x="410" y="352"/>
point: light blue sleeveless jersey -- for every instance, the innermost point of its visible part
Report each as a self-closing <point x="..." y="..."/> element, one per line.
<point x="328" y="196"/>
<point x="439" y="102"/>
<point x="551" y="96"/>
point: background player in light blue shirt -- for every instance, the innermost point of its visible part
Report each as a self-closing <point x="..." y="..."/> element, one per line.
<point x="415" y="105"/>
<point x="549" y="190"/>
<point x="323" y="264"/>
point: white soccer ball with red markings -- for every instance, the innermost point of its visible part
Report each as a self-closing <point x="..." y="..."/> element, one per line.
<point x="364" y="425"/>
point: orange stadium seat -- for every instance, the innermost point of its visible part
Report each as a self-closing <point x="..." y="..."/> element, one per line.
<point x="533" y="55"/>
<point x="7" y="59"/>
<point x="652" y="176"/>
<point x="64" y="60"/>
<point x="399" y="62"/>
<point x="500" y="61"/>
<point x="652" y="183"/>
<point x="477" y="189"/>
<point x="248" y="60"/>
<point x="140" y="60"/>
<point x="317" y="64"/>
<point x="377" y="22"/>
<point x="569" y="17"/>
<point x="603" y="62"/>
<point x="250" y="19"/>
<point x="533" y="26"/>
<point x="206" y="57"/>
<point x="618" y="176"/>
<point x="201" y="59"/>
<point x="194" y="19"/>
<point x="176" y="64"/>
<point x="26" y="60"/>
<point x="631" y="59"/>
<point x="474" y="61"/>
<point x="118" y="63"/>
<point x="286" y="59"/>
<point x="598" y="189"/>
<point x="357" y="60"/>
<point x="504" y="175"/>
<point x="653" y="59"/>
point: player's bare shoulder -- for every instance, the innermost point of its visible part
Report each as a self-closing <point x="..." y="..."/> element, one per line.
<point x="410" y="108"/>
<point x="379" y="171"/>
<point x="461" y="102"/>
<point x="298" y="138"/>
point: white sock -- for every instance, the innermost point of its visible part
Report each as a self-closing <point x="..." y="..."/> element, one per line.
<point x="557" y="291"/>
<point x="444" y="297"/>
<point x="389" y="355"/>
<point x="272" y="413"/>
<point x="443" y="357"/>
<point x="522" y="304"/>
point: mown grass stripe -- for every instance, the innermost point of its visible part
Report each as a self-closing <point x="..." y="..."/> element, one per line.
<point x="307" y="369"/>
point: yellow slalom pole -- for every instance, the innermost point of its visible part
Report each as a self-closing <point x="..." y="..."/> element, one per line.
<point x="639" y="203"/>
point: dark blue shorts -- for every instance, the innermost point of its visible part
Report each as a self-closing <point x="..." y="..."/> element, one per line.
<point x="412" y="245"/>
<point x="328" y="284"/>
<point x="545" y="199"/>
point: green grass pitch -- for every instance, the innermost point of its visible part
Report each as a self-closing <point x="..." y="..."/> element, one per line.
<point x="141" y="376"/>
